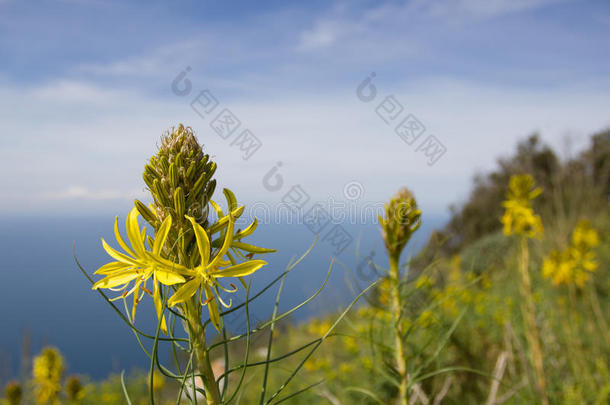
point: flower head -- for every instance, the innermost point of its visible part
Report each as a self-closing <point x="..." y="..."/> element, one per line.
<point x="209" y="270"/>
<point x="138" y="264"/>
<point x="47" y="371"/>
<point x="74" y="388"/>
<point x="402" y="218"/>
<point x="576" y="263"/>
<point x="519" y="217"/>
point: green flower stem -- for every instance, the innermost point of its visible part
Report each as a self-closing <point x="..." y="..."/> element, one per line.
<point x="399" y="353"/>
<point x="202" y="359"/>
<point x="531" y="328"/>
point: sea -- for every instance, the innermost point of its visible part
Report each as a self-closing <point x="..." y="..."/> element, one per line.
<point x="46" y="300"/>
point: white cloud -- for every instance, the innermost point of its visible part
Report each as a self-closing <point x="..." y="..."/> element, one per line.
<point x="83" y="193"/>
<point x="482" y="8"/>
<point x="324" y="141"/>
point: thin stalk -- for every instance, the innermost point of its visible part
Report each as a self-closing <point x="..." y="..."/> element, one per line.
<point x="399" y="353"/>
<point x="597" y="310"/>
<point x="196" y="333"/>
<point x="530" y="327"/>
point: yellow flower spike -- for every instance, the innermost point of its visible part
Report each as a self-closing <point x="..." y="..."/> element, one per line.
<point x="47" y="371"/>
<point x="139" y="264"/>
<point x="208" y="271"/>
<point x="519" y="217"/>
<point x="576" y="263"/>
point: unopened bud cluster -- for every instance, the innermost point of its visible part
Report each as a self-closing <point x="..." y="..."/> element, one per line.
<point x="402" y="218"/>
<point x="179" y="178"/>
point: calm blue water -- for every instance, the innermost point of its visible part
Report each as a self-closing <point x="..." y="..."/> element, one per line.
<point x="44" y="295"/>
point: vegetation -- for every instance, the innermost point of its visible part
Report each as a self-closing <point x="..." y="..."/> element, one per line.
<point x="507" y="304"/>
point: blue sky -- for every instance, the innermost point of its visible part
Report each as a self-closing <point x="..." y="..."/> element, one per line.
<point x="85" y="92"/>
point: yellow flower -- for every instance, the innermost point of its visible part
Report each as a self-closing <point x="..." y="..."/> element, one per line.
<point x="206" y="274"/>
<point x="584" y="235"/>
<point x="351" y="345"/>
<point x="47" y="371"/>
<point x="575" y="264"/>
<point x="346" y="368"/>
<point x="519" y="217"/>
<point x="158" y="381"/>
<point x="424" y="282"/>
<point x="13" y="393"/>
<point x="140" y="264"/>
<point x="74" y="389"/>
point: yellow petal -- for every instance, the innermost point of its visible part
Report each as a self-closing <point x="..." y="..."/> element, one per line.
<point x="240" y="270"/>
<point x="168" y="277"/>
<point x="119" y="238"/>
<point x="117" y="255"/>
<point x="212" y="307"/>
<point x="227" y="243"/>
<point x="203" y="242"/>
<point x="222" y="220"/>
<point x="168" y="265"/>
<point x="185" y="292"/>
<point x="159" y="307"/>
<point x="112" y="267"/>
<point x="133" y="232"/>
<point x="217" y="208"/>
<point x="248" y="231"/>
<point x="136" y="298"/>
<point x="161" y="235"/>
<point x="116" y="279"/>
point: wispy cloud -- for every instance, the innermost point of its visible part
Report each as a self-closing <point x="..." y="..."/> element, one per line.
<point x="81" y="127"/>
<point x="74" y="193"/>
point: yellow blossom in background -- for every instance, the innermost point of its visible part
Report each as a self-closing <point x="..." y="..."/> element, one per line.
<point x="13" y="392"/>
<point x="455" y="268"/>
<point x="424" y="282"/>
<point x="584" y="235"/>
<point x="158" y="381"/>
<point x="519" y="217"/>
<point x="74" y="389"/>
<point x="346" y="368"/>
<point x="426" y="318"/>
<point x="47" y="371"/>
<point x="384" y="291"/>
<point x="318" y="328"/>
<point x="367" y="362"/>
<point x="574" y="264"/>
<point x="351" y="345"/>
<point x="315" y="364"/>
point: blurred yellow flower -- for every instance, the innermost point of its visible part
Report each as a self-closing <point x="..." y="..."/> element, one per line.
<point x="158" y="381"/>
<point x="424" y="281"/>
<point x="13" y="392"/>
<point x="584" y="235"/>
<point x="74" y="389"/>
<point x="574" y="264"/>
<point x="47" y="370"/>
<point x="519" y="217"/>
<point x="351" y="345"/>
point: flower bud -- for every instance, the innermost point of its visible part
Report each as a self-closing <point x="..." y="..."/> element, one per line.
<point x="402" y="218"/>
<point x="179" y="178"/>
<point x="13" y="393"/>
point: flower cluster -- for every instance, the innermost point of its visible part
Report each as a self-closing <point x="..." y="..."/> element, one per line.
<point x="186" y="256"/>
<point x="519" y="217"/>
<point x="402" y="218"/>
<point x="575" y="263"/>
<point x="47" y="371"/>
